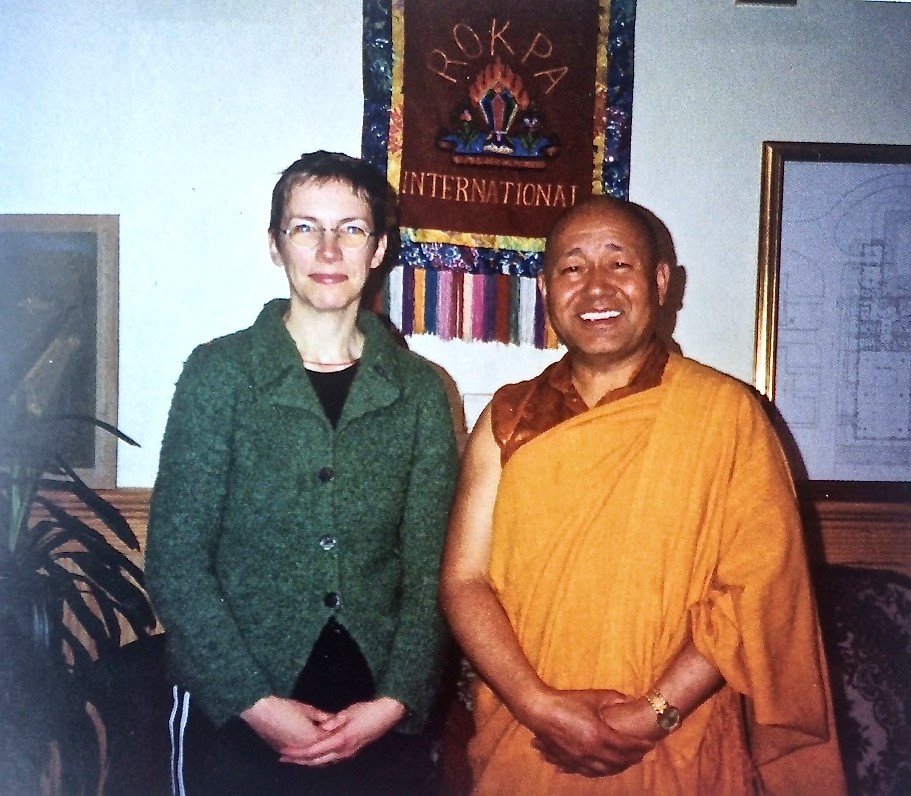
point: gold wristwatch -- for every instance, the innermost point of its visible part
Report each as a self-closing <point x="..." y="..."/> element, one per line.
<point x="669" y="717"/>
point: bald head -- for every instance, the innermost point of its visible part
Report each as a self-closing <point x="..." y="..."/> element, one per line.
<point x="607" y="209"/>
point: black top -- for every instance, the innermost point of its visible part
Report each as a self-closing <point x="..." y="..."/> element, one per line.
<point x="332" y="390"/>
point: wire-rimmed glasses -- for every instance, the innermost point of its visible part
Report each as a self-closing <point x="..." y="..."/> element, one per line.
<point x="350" y="235"/>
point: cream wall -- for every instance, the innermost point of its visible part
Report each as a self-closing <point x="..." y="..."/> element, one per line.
<point x="178" y="114"/>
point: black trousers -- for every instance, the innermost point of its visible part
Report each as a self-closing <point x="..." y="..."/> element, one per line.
<point x="234" y="761"/>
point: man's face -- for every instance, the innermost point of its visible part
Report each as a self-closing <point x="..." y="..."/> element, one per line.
<point x="601" y="284"/>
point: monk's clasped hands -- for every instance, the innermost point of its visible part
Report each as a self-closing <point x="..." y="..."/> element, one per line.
<point x="594" y="733"/>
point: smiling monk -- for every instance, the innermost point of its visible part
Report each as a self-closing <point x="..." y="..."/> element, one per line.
<point x="625" y="568"/>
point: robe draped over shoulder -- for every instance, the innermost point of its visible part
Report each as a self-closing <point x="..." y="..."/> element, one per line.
<point x="623" y="531"/>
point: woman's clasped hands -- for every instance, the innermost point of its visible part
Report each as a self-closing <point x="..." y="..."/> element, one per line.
<point x="304" y="735"/>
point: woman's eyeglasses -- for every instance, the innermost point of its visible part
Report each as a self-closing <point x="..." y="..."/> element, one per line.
<point x="309" y="236"/>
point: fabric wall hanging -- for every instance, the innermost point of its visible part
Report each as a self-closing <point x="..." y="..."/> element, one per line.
<point x="490" y="119"/>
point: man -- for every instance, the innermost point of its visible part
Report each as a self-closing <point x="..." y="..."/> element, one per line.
<point x="624" y="567"/>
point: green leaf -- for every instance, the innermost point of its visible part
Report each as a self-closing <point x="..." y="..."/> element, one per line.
<point x="109" y="515"/>
<point x="106" y="512"/>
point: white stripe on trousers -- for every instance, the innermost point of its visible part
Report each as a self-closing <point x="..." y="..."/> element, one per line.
<point x="181" y="706"/>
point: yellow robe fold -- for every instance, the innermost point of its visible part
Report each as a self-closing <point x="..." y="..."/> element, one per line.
<point x="621" y="532"/>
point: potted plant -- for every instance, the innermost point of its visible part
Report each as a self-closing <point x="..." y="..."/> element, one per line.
<point x="67" y="590"/>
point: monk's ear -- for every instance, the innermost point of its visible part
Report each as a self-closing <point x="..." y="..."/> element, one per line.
<point x="662" y="279"/>
<point x="542" y="285"/>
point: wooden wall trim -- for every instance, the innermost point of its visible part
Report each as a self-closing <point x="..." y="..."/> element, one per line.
<point x="132" y="503"/>
<point x="838" y="532"/>
<point x="859" y="533"/>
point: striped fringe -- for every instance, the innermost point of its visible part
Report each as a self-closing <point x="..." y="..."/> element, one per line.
<point x="457" y="305"/>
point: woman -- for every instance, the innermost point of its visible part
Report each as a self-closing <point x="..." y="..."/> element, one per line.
<point x="297" y="522"/>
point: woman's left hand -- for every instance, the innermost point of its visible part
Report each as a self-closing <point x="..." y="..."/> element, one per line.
<point x="348" y="731"/>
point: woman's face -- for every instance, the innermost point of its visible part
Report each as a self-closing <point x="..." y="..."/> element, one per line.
<point x="328" y="276"/>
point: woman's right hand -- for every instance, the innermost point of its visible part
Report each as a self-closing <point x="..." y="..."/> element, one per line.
<point x="350" y="731"/>
<point x="284" y="723"/>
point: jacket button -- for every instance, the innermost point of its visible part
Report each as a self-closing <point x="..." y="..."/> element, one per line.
<point x="326" y="474"/>
<point x="327" y="542"/>
<point x="331" y="600"/>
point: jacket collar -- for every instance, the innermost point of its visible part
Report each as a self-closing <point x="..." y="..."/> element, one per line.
<point x="276" y="365"/>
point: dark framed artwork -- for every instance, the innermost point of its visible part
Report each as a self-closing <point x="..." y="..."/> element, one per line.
<point x="59" y="328"/>
<point x="833" y="332"/>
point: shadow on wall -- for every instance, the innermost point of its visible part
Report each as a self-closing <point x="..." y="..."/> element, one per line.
<point x="452" y="390"/>
<point x="673" y="302"/>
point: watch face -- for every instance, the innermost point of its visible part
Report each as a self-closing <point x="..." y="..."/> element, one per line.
<point x="669" y="719"/>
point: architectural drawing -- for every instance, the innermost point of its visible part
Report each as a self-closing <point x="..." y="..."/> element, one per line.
<point x="843" y="370"/>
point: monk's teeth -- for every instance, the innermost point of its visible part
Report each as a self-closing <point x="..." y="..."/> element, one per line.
<point x="599" y="316"/>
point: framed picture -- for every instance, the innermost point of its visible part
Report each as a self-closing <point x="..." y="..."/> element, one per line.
<point x="833" y="334"/>
<point x="58" y="329"/>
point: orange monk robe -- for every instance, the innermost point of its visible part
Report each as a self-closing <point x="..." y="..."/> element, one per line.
<point x="623" y="531"/>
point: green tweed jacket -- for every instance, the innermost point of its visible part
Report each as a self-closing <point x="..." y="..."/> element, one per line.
<point x="265" y="521"/>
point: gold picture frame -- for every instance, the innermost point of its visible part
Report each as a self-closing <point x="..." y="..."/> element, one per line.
<point x="831" y="217"/>
<point x="60" y="302"/>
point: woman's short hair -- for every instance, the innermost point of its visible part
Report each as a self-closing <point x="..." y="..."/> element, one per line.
<point x="321" y="167"/>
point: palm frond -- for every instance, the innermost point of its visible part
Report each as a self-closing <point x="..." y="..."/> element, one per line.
<point x="106" y="512"/>
<point x="68" y="528"/>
